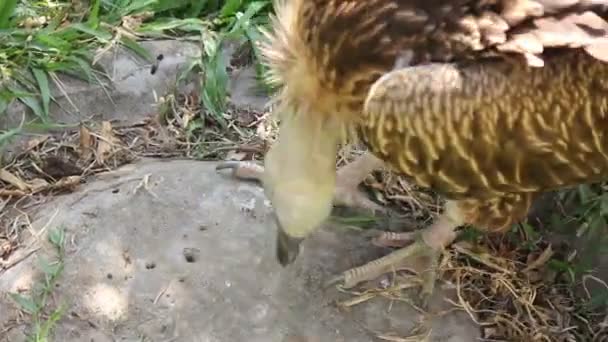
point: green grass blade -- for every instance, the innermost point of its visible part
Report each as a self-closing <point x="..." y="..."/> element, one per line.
<point x="28" y="99"/>
<point x="7" y="8"/>
<point x="243" y="21"/>
<point x="214" y="88"/>
<point x="25" y="303"/>
<point x="102" y="36"/>
<point x="230" y="8"/>
<point x="197" y="7"/>
<point x="7" y="136"/>
<point x="43" y="86"/>
<point x="4" y="102"/>
<point x="137" y="48"/>
<point x="138" y="6"/>
<point x="81" y="64"/>
<point x="191" y="24"/>
<point x="168" y="5"/>
<point x="93" y="20"/>
<point x="47" y="327"/>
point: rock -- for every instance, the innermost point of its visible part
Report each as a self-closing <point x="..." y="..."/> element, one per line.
<point x="233" y="290"/>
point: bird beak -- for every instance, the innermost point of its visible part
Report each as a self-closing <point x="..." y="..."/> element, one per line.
<point x="288" y="247"/>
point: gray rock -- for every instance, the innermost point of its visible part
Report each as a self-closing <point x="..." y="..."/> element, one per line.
<point x="126" y="275"/>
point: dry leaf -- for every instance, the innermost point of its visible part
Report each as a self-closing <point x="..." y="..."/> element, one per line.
<point x="10" y="178"/>
<point x="38" y="184"/>
<point x="188" y="116"/>
<point x="86" y="143"/>
<point x="541" y="260"/>
<point x="35" y="142"/>
<point x="12" y="193"/>
<point x="67" y="183"/>
<point x="104" y="147"/>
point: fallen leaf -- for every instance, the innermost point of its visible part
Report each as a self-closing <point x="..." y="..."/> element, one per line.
<point x="38" y="184"/>
<point x="12" y="193"/>
<point x="187" y="118"/>
<point x="68" y="181"/>
<point x="86" y="143"/>
<point x="104" y="147"/>
<point x="10" y="178"/>
<point x="35" y="142"/>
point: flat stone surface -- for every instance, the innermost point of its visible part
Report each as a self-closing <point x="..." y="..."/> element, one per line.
<point x="130" y="95"/>
<point x="173" y="251"/>
<point x="132" y="91"/>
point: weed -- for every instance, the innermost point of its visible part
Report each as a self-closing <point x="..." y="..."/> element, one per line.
<point x="40" y="40"/>
<point x="36" y="303"/>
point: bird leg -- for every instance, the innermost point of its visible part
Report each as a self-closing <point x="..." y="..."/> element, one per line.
<point x="347" y="181"/>
<point x="427" y="243"/>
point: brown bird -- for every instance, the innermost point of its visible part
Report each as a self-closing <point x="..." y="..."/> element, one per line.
<point x="487" y="102"/>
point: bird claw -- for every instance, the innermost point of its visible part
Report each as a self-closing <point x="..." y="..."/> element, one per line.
<point x="334" y="281"/>
<point x="242" y="170"/>
<point x="420" y="301"/>
<point x="392" y="239"/>
<point x="393" y="261"/>
<point x="233" y="166"/>
<point x="349" y="195"/>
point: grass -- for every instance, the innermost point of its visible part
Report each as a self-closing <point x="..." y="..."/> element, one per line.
<point x="39" y="40"/>
<point x="36" y="303"/>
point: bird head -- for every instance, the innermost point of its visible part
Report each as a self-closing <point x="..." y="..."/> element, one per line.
<point x="299" y="179"/>
<point x="300" y="167"/>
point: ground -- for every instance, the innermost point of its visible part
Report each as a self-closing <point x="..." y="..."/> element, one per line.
<point x="127" y="277"/>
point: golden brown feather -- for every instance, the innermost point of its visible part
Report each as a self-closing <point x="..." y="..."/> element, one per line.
<point x="488" y="102"/>
<point x="491" y="130"/>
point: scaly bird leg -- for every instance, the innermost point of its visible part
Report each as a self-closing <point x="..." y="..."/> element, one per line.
<point x="347" y="181"/>
<point x="427" y="243"/>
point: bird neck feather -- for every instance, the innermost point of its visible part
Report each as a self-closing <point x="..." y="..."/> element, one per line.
<point x="302" y="84"/>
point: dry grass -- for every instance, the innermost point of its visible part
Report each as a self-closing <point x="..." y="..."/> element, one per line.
<point x="513" y="296"/>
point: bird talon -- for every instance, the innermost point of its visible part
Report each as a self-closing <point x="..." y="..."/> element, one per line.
<point x="392" y="239"/>
<point x="334" y="281"/>
<point x="242" y="170"/>
<point x="227" y="165"/>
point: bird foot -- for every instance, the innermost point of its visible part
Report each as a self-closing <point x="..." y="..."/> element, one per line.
<point x="243" y="170"/>
<point x="396" y="240"/>
<point x="395" y="261"/>
<point x="346" y="193"/>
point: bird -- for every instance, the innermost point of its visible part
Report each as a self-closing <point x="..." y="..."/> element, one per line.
<point x="489" y="103"/>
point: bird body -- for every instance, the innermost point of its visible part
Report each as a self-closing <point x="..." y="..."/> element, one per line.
<point x="488" y="102"/>
<point x="494" y="132"/>
<point x="501" y="99"/>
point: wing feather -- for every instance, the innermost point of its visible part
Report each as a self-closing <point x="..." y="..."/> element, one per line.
<point x="492" y="127"/>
